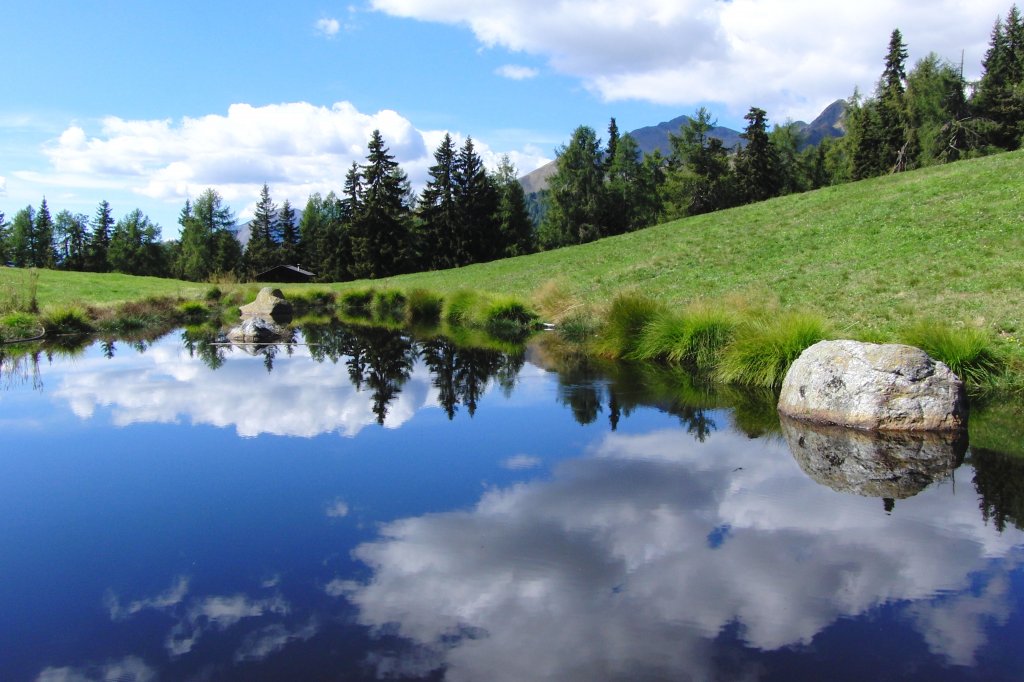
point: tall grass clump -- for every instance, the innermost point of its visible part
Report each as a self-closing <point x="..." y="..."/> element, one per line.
<point x="19" y="326"/>
<point x="317" y="299"/>
<point x="193" y="311"/>
<point x="507" y="317"/>
<point x="21" y="297"/>
<point x="970" y="353"/>
<point x="763" y="347"/>
<point x="694" y="338"/>
<point x="459" y="308"/>
<point x="423" y="307"/>
<point x="67" y="320"/>
<point x="357" y="302"/>
<point x="624" y="324"/>
<point x="389" y="305"/>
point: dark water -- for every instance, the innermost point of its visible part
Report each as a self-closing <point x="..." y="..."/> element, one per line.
<point x="370" y="508"/>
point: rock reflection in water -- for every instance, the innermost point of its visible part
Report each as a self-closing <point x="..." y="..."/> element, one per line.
<point x="890" y="465"/>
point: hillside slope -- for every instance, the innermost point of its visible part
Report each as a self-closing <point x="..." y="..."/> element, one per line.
<point x="945" y="242"/>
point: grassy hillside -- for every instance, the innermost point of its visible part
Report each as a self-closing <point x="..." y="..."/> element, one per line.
<point x="942" y="243"/>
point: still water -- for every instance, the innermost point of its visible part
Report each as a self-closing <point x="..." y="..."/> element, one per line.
<point x="361" y="506"/>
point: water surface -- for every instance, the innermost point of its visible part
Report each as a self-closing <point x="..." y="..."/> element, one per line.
<point x="366" y="507"/>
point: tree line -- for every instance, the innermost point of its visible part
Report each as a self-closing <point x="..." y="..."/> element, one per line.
<point x="913" y="119"/>
<point x="376" y="226"/>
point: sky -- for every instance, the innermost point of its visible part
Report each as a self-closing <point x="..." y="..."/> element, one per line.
<point x="145" y="104"/>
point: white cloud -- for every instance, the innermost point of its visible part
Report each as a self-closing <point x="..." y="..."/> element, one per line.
<point x="581" y="576"/>
<point x="337" y="509"/>
<point x="168" y="599"/>
<point x="3" y="186"/>
<point x="128" y="669"/>
<point x="790" y="57"/>
<point x="297" y="148"/>
<point x="328" y="27"/>
<point x="516" y="72"/>
<point x="517" y="462"/>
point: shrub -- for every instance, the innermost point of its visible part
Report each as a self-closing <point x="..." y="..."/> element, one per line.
<point x="214" y="294"/>
<point x="192" y="310"/>
<point x="970" y="353"/>
<point x="763" y="348"/>
<point x="627" y="316"/>
<point x="423" y="307"/>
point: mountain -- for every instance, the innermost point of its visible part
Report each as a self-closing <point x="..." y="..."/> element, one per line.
<point x="829" y="123"/>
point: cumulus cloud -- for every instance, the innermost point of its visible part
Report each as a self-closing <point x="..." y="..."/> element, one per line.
<point x="128" y="669"/>
<point x="328" y="27"/>
<point x="296" y="147"/>
<point x="516" y="72"/>
<point x="780" y="55"/>
<point x="583" y="575"/>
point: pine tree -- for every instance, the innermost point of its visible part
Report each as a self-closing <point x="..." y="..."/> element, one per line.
<point x="897" y="142"/>
<point x="312" y="236"/>
<point x="208" y="242"/>
<point x="757" y="164"/>
<point x="289" y="234"/>
<point x="613" y="143"/>
<point x="135" y="246"/>
<point x="630" y="193"/>
<point x="438" y="229"/>
<point x="380" y="233"/>
<point x="71" y="235"/>
<point x="576" y="193"/>
<point x="261" y="250"/>
<point x="476" y="202"/>
<point x="513" y="216"/>
<point x="22" y="229"/>
<point x="99" y="240"/>
<point x="999" y="98"/>
<point x="41" y="243"/>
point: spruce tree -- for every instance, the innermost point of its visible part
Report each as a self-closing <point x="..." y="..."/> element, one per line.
<point x="22" y="229"/>
<point x="438" y="229"/>
<point x="289" y="234"/>
<point x="999" y="97"/>
<point x="71" y="235"/>
<point x="613" y="143"/>
<point x="99" y="240"/>
<point x="5" y="236"/>
<point x="630" y="194"/>
<point x="135" y="246"/>
<point x="513" y="216"/>
<point x="757" y="164"/>
<point x="897" y="142"/>
<point x="380" y="233"/>
<point x="261" y="250"/>
<point x="41" y="243"/>
<point x="312" y="236"/>
<point x="576" y="197"/>
<point x="476" y="202"/>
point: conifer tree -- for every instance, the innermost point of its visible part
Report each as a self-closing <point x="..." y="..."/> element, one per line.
<point x="41" y="242"/>
<point x="208" y="242"/>
<point x="380" y="233"/>
<point x="5" y="236"/>
<point x="630" y="193"/>
<point x="999" y="98"/>
<point x="513" y="216"/>
<point x="99" y="240"/>
<point x="289" y="234"/>
<point x="261" y="250"/>
<point x="135" y="246"/>
<point x="71" y="234"/>
<point x="757" y="164"/>
<point x="613" y="143"/>
<point x="313" y="235"/>
<point x="476" y="202"/>
<point x="576" y="193"/>
<point x="439" y="229"/>
<point x="22" y="229"/>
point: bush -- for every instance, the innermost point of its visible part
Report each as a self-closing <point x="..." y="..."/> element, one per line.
<point x="969" y="353"/>
<point x="763" y="348"/>
<point x="214" y="294"/>
<point x="192" y="310"/>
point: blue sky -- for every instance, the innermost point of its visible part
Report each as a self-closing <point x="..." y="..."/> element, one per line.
<point x="146" y="103"/>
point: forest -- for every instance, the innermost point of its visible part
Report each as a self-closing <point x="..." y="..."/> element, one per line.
<point x="376" y="226"/>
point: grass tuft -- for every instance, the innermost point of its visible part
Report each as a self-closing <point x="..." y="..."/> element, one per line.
<point x="67" y="320"/>
<point x="624" y="323"/>
<point x="357" y="302"/>
<point x="389" y="305"/>
<point x="970" y="353"/>
<point x="423" y="307"/>
<point x="763" y="348"/>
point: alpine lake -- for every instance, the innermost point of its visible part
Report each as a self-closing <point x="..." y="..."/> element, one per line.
<point x="362" y="503"/>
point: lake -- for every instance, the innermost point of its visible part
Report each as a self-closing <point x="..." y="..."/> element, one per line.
<point x="357" y="505"/>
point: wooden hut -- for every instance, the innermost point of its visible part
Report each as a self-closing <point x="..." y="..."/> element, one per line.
<point x="289" y="274"/>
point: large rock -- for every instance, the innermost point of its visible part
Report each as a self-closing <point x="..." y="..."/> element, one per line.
<point x="257" y="330"/>
<point x="890" y="464"/>
<point x="873" y="386"/>
<point x="269" y="303"/>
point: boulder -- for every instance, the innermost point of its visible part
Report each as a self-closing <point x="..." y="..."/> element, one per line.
<point x="270" y="303"/>
<point x="873" y="386"/>
<point x="257" y="330"/>
<point x="887" y="464"/>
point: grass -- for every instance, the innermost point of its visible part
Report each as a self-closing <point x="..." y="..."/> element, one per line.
<point x="971" y="353"/>
<point x="763" y="348"/>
